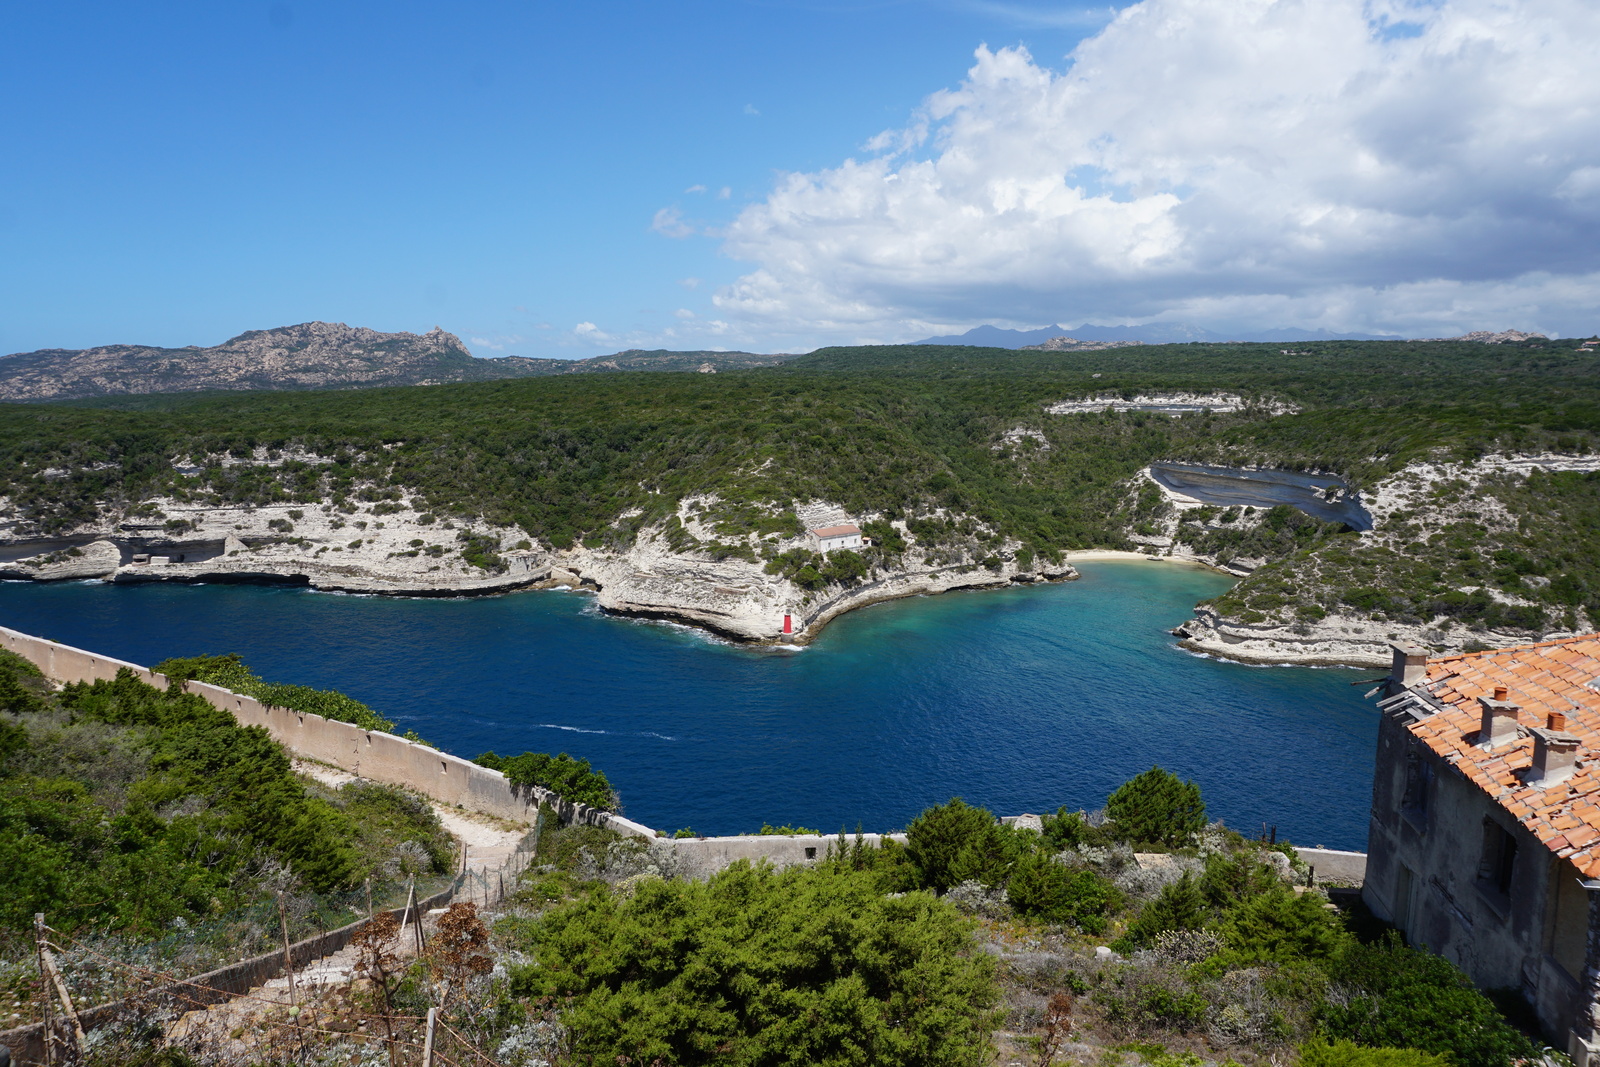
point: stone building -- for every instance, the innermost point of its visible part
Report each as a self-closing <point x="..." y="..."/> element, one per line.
<point x="827" y="538"/>
<point x="1484" y="844"/>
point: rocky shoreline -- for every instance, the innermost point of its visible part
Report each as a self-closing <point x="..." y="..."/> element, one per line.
<point x="397" y="551"/>
<point x="1345" y="637"/>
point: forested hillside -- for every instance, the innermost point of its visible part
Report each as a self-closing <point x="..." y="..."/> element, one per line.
<point x="949" y="439"/>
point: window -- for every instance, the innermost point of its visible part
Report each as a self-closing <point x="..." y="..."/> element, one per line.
<point x="1418" y="790"/>
<point x="1402" y="903"/>
<point x="1499" y="861"/>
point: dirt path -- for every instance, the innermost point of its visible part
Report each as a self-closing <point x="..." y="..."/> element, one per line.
<point x="490" y="841"/>
<point x="246" y="1028"/>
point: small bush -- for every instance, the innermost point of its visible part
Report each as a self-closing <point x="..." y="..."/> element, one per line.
<point x="1156" y="808"/>
<point x="568" y="778"/>
<point x="1041" y="887"/>
<point x="1322" y="1053"/>
<point x="756" y="966"/>
<point x="1179" y="907"/>
<point x="1397" y="997"/>
<point x="954" y="842"/>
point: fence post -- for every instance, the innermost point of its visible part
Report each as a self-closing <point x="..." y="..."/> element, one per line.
<point x="48" y="963"/>
<point x="288" y="957"/>
<point x="47" y="1008"/>
<point x="427" y="1041"/>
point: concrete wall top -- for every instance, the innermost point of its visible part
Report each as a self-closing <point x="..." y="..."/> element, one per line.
<point x="1336" y="865"/>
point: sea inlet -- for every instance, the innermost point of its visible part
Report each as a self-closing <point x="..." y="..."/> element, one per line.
<point x="1019" y="700"/>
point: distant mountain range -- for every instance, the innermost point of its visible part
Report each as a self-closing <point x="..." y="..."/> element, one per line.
<point x="1155" y="333"/>
<point x="312" y="355"/>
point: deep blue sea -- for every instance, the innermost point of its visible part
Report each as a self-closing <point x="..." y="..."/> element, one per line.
<point x="1017" y="700"/>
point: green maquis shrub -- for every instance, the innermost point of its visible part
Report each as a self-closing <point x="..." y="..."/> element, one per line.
<point x="1179" y="906"/>
<point x="1041" y="887"/>
<point x="229" y="672"/>
<point x="1392" y="996"/>
<point x="21" y="685"/>
<point x="1279" y="927"/>
<point x="124" y="807"/>
<point x="1156" y="808"/>
<point x="1069" y="829"/>
<point x="954" y="842"/>
<point x="760" y="967"/>
<point x="888" y="862"/>
<point x="568" y="778"/>
<point x="1321" y="1053"/>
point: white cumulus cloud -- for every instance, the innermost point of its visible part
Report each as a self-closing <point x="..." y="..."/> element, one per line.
<point x="1354" y="164"/>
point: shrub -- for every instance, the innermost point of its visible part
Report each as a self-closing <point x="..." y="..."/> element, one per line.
<point x="1180" y="906"/>
<point x="755" y="966"/>
<point x="1068" y="829"/>
<point x="1322" y="1053"/>
<point x="1156" y="808"/>
<point x="1041" y="887"/>
<point x="1279" y="927"/>
<point x="568" y="778"/>
<point x="1397" y="997"/>
<point x="953" y="842"/>
<point x="888" y="861"/>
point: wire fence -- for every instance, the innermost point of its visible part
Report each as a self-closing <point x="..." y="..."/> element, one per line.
<point x="278" y="1030"/>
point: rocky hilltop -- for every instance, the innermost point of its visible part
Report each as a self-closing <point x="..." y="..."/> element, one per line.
<point x="1072" y="344"/>
<point x="312" y="355"/>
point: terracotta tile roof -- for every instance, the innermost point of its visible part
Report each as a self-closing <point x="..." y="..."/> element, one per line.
<point x="1548" y="677"/>
<point x="836" y="531"/>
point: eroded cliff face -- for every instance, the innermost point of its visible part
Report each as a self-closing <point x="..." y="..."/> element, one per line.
<point x="690" y="570"/>
<point x="1443" y="562"/>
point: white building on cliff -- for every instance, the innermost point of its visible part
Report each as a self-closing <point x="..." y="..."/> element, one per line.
<point x="825" y="539"/>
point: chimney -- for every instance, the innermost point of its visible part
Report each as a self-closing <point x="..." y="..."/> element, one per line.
<point x="1410" y="667"/>
<point x="1499" y="723"/>
<point x="1555" y="753"/>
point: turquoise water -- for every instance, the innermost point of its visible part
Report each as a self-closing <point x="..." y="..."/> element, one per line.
<point x="1018" y="699"/>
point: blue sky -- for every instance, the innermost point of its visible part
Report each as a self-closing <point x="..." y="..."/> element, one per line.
<point x="180" y="172"/>
<point x="573" y="179"/>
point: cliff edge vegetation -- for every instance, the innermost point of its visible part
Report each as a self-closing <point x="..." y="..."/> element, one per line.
<point x="151" y="825"/>
<point x="686" y="495"/>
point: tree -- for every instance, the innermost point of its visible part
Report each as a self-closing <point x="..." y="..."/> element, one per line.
<point x="763" y="967"/>
<point x="937" y="839"/>
<point x="1156" y="808"/>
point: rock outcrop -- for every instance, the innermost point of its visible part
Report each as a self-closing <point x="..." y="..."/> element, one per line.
<point x="1403" y="511"/>
<point x="393" y="548"/>
<point x="311" y="355"/>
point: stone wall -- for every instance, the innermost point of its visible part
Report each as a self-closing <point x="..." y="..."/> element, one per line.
<point x="372" y="754"/>
<point x="1335" y="865"/>
<point x="701" y="857"/>
<point x="452" y="780"/>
